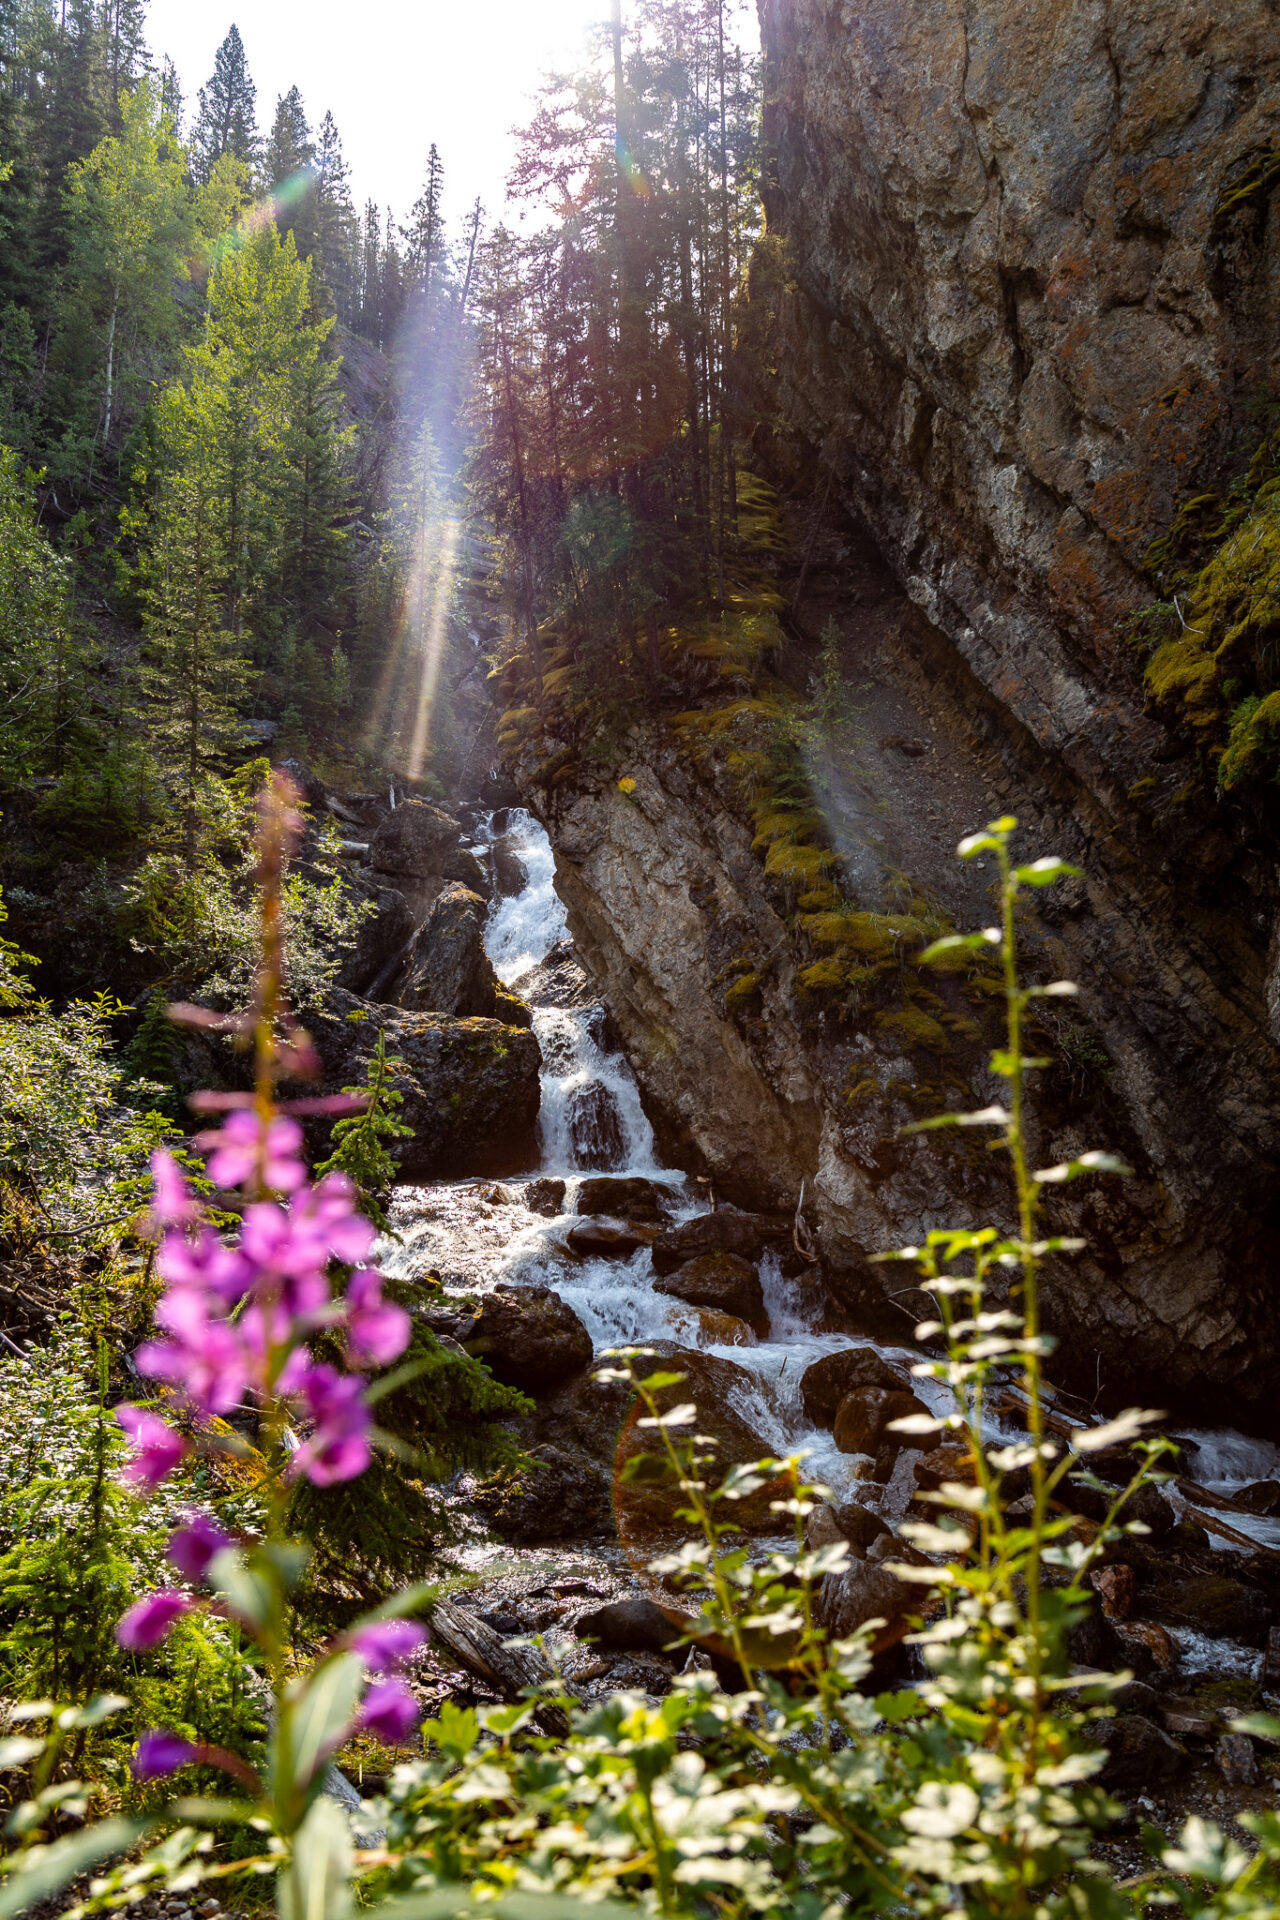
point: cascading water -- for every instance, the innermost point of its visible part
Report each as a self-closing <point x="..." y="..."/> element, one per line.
<point x="592" y="1121"/>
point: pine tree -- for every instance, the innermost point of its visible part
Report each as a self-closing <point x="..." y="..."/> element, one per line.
<point x="289" y="171"/>
<point x="335" y="241"/>
<point x="172" y="100"/>
<point x="226" y="119"/>
<point x="132" y="233"/>
<point x="194" y="671"/>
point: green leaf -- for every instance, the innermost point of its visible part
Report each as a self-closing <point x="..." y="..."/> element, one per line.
<point x="319" y="1710"/>
<point x="1125" y="1426"/>
<point x="199" y="1810"/>
<point x="249" y="1589"/>
<point x="1043" y="873"/>
<point x="100" y="1708"/>
<point x="1094" y="1162"/>
<point x="954" y="942"/>
<point x="981" y="1117"/>
<point x="316" y="1885"/>
<point x="46" y="1870"/>
<point x="18" y="1749"/>
<point x="1265" y="1726"/>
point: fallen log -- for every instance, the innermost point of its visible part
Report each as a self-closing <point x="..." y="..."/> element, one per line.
<point x="510" y="1668"/>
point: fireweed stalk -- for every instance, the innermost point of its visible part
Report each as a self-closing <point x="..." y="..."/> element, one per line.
<point x="236" y="1319"/>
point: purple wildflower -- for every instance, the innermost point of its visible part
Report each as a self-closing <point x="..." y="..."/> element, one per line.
<point x="149" y="1621"/>
<point x="385" y="1643"/>
<point x="205" y="1358"/>
<point x="157" y="1449"/>
<point x="339" y="1448"/>
<point x="237" y="1147"/>
<point x="204" y="1263"/>
<point x="377" y="1331"/>
<point x="193" y="1545"/>
<point x="159" y="1753"/>
<point x="390" y="1711"/>
<point x="171" y="1202"/>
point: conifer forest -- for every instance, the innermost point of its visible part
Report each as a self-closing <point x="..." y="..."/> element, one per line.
<point x="640" y="971"/>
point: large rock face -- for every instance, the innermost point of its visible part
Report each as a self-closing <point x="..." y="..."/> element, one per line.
<point x="1022" y="326"/>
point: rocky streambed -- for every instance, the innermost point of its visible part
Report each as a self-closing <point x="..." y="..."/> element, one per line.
<point x="594" y="1243"/>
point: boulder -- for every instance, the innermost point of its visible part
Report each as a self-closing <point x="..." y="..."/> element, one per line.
<point x="863" y="1591"/>
<point x="529" y="1337"/>
<point x="864" y="1415"/>
<point x="544" y="1196"/>
<point x="1237" y="1762"/>
<point x="595" y="1128"/>
<point x="1138" y="1751"/>
<point x="510" y="874"/>
<point x="607" y="1239"/>
<point x="1142" y="1645"/>
<point x="824" y="1385"/>
<point x="560" y="1494"/>
<point x="510" y="1008"/>
<point x="722" y="1281"/>
<point x="1262" y="1497"/>
<point x="448" y="968"/>
<point x="726" y="1231"/>
<point x="1214" y="1605"/>
<point x="649" y="1501"/>
<point x="634" y="1625"/>
<point x="416" y="840"/>
<point x="724" y="1329"/>
<point x="931" y="1467"/>
<point x="380" y="943"/>
<point x="1146" y="1504"/>
<point x="471" y="1087"/>
<point x="624" y="1199"/>
<point x="860" y="1526"/>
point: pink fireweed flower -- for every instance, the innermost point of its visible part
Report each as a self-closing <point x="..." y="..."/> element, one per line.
<point x="385" y="1643"/>
<point x="192" y="1546"/>
<point x="377" y="1331"/>
<point x="331" y="1205"/>
<point x="205" y="1360"/>
<point x="268" y="1332"/>
<point x="157" y="1449"/>
<point x="390" y="1711"/>
<point x="150" y="1621"/>
<point x="172" y="1204"/>
<point x="204" y="1263"/>
<point x="235" y="1146"/>
<point x="159" y="1753"/>
<point x="339" y="1448"/>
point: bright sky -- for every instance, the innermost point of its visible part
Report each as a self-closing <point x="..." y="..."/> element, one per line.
<point x="396" y="74"/>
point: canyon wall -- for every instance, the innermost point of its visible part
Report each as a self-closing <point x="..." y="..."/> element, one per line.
<point x="1019" y="297"/>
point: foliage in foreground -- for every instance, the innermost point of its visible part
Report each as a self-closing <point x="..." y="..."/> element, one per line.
<point x="974" y="1792"/>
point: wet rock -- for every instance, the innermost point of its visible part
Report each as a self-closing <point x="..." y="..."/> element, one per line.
<point x="416" y="840"/>
<point x="1116" y="1587"/>
<point x="722" y="1281"/>
<point x="510" y="874"/>
<point x="380" y="942"/>
<point x="510" y="1008"/>
<point x="562" y="1494"/>
<point x="1138" y="1752"/>
<point x="1271" y="1659"/>
<point x="1186" y="1721"/>
<point x="822" y="1529"/>
<point x="624" y="1199"/>
<point x="1237" y="1761"/>
<point x="825" y="1384"/>
<point x="559" y="980"/>
<point x="448" y="968"/>
<point x="595" y="1128"/>
<point x="724" y="1329"/>
<point x="544" y="1196"/>
<point x="1210" y="1604"/>
<point x="718" y="1388"/>
<point x="634" y="1625"/>
<point x="863" y="1416"/>
<point x="749" y="1235"/>
<point x="862" y="1591"/>
<point x="462" y="867"/>
<point x="1147" y="1504"/>
<point x="529" y="1338"/>
<point x="607" y="1239"/>
<point x="860" y="1526"/>
<point x="942" y="1463"/>
<point x="1262" y="1497"/>
<point x="1144" y="1645"/>
<point x="471" y="1087"/>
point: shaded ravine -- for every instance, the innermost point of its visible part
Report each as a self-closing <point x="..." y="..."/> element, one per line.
<point x="476" y="1235"/>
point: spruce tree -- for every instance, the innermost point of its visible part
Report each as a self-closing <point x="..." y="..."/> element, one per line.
<point x="335" y="245"/>
<point x="226" y="119"/>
